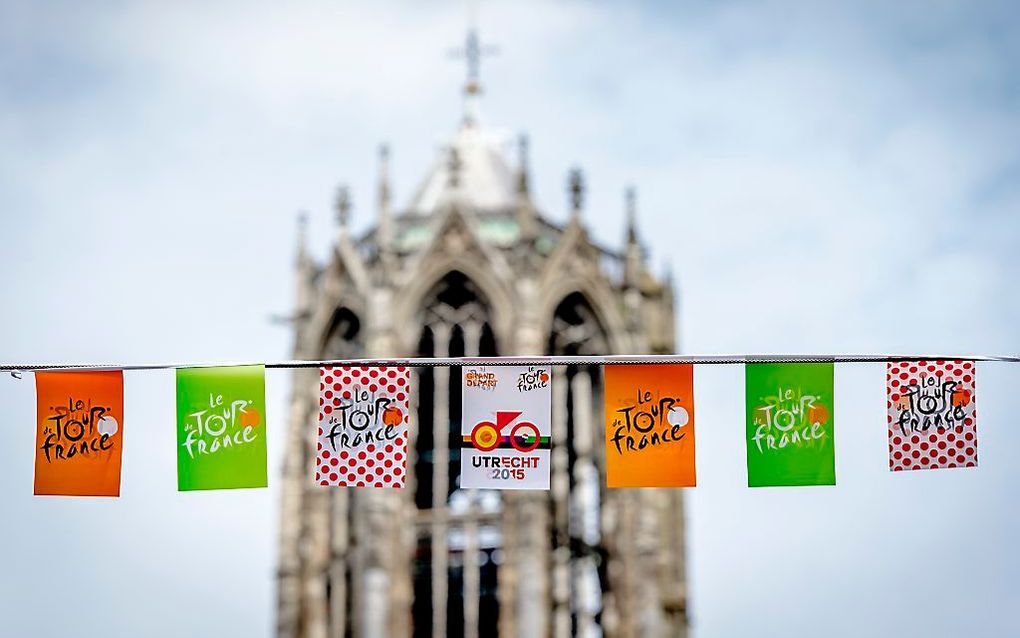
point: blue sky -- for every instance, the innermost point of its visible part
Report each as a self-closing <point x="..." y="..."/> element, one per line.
<point x="819" y="177"/>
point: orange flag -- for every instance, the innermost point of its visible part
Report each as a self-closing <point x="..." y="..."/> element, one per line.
<point x="79" y="433"/>
<point x="650" y="426"/>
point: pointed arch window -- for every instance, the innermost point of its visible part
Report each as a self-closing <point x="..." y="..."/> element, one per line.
<point x="343" y="337"/>
<point x="459" y="539"/>
<point x="578" y="546"/>
<point x="343" y="340"/>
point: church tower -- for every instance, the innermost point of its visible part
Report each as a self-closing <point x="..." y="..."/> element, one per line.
<point x="471" y="267"/>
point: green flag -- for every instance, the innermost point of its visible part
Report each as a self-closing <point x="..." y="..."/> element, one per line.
<point x="790" y="424"/>
<point x="221" y="428"/>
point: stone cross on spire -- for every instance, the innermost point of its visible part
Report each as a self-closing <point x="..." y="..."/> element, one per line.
<point x="472" y="52"/>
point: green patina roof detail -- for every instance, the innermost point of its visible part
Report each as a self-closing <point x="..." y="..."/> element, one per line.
<point x="545" y="244"/>
<point x="414" y="236"/>
<point x="499" y="230"/>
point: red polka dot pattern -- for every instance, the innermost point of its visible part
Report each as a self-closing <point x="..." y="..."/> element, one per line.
<point x="369" y="463"/>
<point x="912" y="389"/>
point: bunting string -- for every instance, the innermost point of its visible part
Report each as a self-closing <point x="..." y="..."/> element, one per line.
<point x="584" y="360"/>
<point x="506" y="437"/>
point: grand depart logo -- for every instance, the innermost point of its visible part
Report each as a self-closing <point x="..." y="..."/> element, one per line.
<point x="481" y="379"/>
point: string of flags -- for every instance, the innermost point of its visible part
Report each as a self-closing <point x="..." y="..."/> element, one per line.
<point x="506" y="441"/>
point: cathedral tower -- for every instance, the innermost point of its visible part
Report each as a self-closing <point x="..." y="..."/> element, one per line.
<point x="471" y="267"/>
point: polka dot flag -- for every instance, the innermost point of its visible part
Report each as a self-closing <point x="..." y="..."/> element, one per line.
<point x="363" y="419"/>
<point x="932" y="416"/>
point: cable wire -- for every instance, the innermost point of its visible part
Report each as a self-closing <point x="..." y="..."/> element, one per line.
<point x="607" y="360"/>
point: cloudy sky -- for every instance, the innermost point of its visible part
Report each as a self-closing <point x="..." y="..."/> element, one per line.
<point x="819" y="177"/>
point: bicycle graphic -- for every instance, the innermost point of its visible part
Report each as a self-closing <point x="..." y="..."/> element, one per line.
<point x="486" y="436"/>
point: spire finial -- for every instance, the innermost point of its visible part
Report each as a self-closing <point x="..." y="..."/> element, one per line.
<point x="384" y="177"/>
<point x="634" y="262"/>
<point x="384" y="231"/>
<point x="304" y="269"/>
<point x="384" y="173"/>
<point x="473" y="56"/>
<point x="575" y="186"/>
<point x="522" y="164"/>
<point x="525" y="210"/>
<point x="453" y="166"/>
<point x="302" y="234"/>
<point x="630" y="204"/>
<point x="472" y="53"/>
<point x="343" y="207"/>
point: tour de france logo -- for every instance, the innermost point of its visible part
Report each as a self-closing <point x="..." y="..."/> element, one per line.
<point x="506" y="432"/>
<point x="533" y="379"/>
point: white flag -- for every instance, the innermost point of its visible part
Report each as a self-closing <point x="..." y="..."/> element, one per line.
<point x="506" y="427"/>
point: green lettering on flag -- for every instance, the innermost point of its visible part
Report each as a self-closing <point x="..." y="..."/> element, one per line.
<point x="221" y="428"/>
<point x="790" y="424"/>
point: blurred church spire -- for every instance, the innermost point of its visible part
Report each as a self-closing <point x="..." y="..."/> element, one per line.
<point x="304" y="272"/>
<point x="525" y="209"/>
<point x="575" y="190"/>
<point x="633" y="252"/>
<point x="630" y="205"/>
<point x="302" y="239"/>
<point x="385" y="230"/>
<point x="523" y="188"/>
<point x="343" y="210"/>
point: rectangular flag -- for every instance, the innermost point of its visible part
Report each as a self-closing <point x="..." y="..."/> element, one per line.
<point x="650" y="426"/>
<point x="505" y="426"/>
<point x="79" y="433"/>
<point x="364" y="414"/>
<point x="790" y="424"/>
<point x="932" y="416"/>
<point x="221" y="428"/>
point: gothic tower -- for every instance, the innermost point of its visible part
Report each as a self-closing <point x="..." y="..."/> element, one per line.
<point x="470" y="267"/>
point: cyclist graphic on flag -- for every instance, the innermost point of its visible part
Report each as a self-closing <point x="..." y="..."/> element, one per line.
<point x="507" y="431"/>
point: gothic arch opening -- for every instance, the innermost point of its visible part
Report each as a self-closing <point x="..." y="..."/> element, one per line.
<point x="579" y="549"/>
<point x="343" y="336"/>
<point x="343" y="339"/>
<point x="576" y="328"/>
<point x="458" y="535"/>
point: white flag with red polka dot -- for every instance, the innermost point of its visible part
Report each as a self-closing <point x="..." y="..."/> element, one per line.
<point x="932" y="415"/>
<point x="363" y="420"/>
